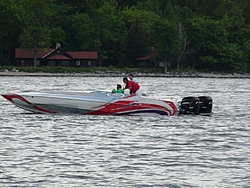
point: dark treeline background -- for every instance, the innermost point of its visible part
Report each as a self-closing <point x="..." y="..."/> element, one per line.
<point x="211" y="35"/>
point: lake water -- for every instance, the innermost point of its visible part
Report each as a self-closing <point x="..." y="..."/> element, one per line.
<point x="39" y="150"/>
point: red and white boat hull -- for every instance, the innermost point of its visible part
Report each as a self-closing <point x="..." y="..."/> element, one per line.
<point x="92" y="103"/>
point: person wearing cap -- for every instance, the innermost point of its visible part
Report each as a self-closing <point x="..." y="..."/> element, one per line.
<point x="133" y="87"/>
<point x="132" y="78"/>
<point x="118" y="89"/>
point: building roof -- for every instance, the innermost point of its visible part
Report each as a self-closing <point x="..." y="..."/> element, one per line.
<point x="85" y="55"/>
<point x="147" y="56"/>
<point x="58" y="56"/>
<point x="29" y="53"/>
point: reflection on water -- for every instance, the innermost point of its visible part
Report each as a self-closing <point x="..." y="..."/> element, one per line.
<point x="40" y="150"/>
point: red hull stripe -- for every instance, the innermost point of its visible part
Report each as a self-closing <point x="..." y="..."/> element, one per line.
<point x="132" y="107"/>
<point x="12" y="96"/>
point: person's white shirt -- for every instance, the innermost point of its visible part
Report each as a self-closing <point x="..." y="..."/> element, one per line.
<point x="138" y="92"/>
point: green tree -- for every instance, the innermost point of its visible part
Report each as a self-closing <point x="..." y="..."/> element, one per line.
<point x="84" y="34"/>
<point x="232" y="13"/>
<point x="165" y="33"/>
<point x="9" y="30"/>
<point x="185" y="14"/>
<point x="210" y="42"/>
<point x="60" y="19"/>
<point x="35" y="17"/>
<point x="108" y="28"/>
<point x="137" y="24"/>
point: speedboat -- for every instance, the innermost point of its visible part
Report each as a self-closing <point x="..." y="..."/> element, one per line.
<point x="107" y="103"/>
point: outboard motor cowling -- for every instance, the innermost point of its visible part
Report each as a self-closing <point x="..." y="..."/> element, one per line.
<point x="190" y="105"/>
<point x="206" y="104"/>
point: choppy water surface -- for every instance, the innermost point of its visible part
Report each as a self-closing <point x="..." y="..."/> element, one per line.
<point x="107" y="151"/>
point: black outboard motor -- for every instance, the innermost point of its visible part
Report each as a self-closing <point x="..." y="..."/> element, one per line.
<point x="206" y="104"/>
<point x="190" y="105"/>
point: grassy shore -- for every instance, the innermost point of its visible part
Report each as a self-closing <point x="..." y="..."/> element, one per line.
<point x="59" y="69"/>
<point x="110" y="72"/>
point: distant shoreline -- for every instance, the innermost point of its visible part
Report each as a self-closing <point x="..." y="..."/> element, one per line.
<point x="115" y="74"/>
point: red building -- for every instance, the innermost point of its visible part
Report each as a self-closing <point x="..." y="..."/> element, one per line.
<point x="55" y="57"/>
<point x="147" y="60"/>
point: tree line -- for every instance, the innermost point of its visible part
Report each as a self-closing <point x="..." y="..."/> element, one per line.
<point x="211" y="35"/>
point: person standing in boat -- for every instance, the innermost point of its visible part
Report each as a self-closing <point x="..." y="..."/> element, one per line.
<point x="132" y="78"/>
<point x="118" y="89"/>
<point x="132" y="86"/>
